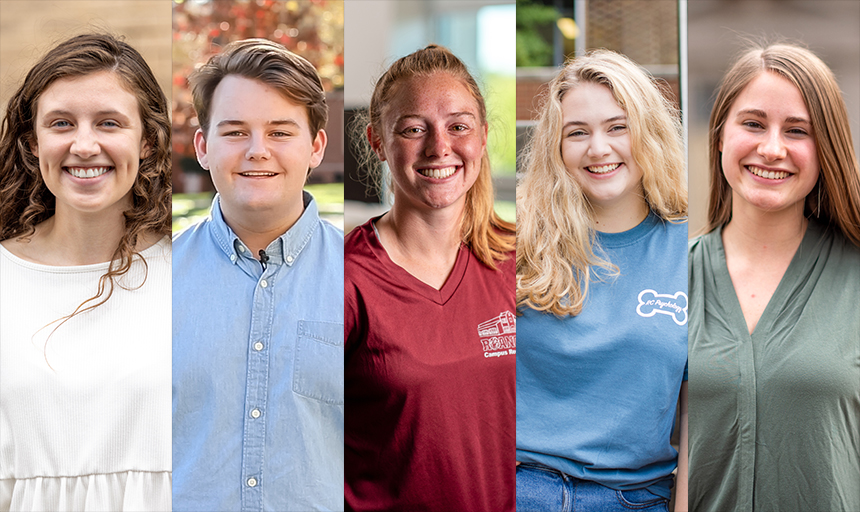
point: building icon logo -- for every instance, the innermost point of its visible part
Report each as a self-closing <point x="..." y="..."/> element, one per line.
<point x="499" y="335"/>
<point x="505" y="323"/>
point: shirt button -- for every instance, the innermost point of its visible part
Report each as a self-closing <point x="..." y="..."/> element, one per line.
<point x="233" y="258"/>
<point x="242" y="249"/>
<point x="258" y="346"/>
<point x="289" y="259"/>
<point x="255" y="413"/>
<point x="263" y="283"/>
<point x="252" y="482"/>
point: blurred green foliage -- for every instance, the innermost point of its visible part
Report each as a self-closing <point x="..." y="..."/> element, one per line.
<point x="534" y="33"/>
<point x="501" y="95"/>
<point x="191" y="208"/>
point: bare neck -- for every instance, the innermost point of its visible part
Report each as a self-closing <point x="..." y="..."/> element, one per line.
<point x="424" y="243"/>
<point x="423" y="234"/>
<point x="764" y="234"/>
<point x="72" y="238"/>
<point x="622" y="217"/>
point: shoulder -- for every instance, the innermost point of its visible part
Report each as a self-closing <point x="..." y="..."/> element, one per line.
<point x="357" y="243"/>
<point x="158" y="253"/>
<point x="703" y="243"/>
<point x="189" y="235"/>
<point x="330" y="236"/>
<point x="192" y="244"/>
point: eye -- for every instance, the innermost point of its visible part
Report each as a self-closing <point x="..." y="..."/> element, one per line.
<point x="235" y="133"/>
<point x="753" y="124"/>
<point x="60" y="123"/>
<point x="617" y="127"/>
<point x="459" y="127"/>
<point x="281" y="134"/>
<point x="797" y="131"/>
<point x="110" y="124"/>
<point x="576" y="133"/>
<point x="412" y="131"/>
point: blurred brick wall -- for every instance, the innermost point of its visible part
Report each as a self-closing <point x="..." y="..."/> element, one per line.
<point x="29" y="28"/>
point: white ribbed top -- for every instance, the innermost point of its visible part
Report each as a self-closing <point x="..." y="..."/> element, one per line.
<point x="94" y="432"/>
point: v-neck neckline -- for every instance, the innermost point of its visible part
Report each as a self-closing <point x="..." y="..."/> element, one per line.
<point x="766" y="320"/>
<point x="402" y="276"/>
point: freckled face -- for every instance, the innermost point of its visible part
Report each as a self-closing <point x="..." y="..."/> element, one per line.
<point x="258" y="149"/>
<point x="433" y="139"/>
<point x="89" y="142"/>
<point x="767" y="145"/>
<point x="596" y="148"/>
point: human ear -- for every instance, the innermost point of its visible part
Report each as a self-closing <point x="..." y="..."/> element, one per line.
<point x="201" y="149"/>
<point x="375" y="143"/>
<point x="318" y="148"/>
<point x="145" y="149"/>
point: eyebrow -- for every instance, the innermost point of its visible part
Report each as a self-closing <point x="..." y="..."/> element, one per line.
<point x="60" y="112"/>
<point x="762" y="114"/>
<point x="583" y="123"/>
<point x="273" y="122"/>
<point x="452" y="114"/>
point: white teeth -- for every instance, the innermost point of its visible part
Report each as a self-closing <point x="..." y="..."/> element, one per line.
<point x="438" y="173"/>
<point x="602" y="169"/>
<point x="769" y="175"/>
<point x="89" y="172"/>
<point x="256" y="173"/>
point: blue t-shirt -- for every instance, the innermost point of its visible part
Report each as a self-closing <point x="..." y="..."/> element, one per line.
<point x="597" y="392"/>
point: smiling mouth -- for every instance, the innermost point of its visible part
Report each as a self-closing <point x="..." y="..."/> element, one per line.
<point x="87" y="172"/>
<point x="255" y="174"/>
<point x="768" y="175"/>
<point x="438" y="173"/>
<point x="602" y="169"/>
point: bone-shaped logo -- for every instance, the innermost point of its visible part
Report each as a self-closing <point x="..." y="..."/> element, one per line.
<point x="651" y="303"/>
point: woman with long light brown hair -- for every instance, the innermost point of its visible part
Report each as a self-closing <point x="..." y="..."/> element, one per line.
<point x="774" y="291"/>
<point x="85" y="283"/>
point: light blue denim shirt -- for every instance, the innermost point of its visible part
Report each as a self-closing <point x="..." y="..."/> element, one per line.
<point x="258" y="368"/>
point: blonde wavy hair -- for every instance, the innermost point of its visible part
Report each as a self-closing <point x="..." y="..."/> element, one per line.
<point x="489" y="237"/>
<point x="555" y="225"/>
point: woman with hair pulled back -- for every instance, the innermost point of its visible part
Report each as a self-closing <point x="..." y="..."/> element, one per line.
<point x="429" y="306"/>
<point x="601" y="287"/>
<point x="85" y="284"/>
<point x="775" y="294"/>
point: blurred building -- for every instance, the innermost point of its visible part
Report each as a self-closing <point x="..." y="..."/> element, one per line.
<point x="551" y="31"/>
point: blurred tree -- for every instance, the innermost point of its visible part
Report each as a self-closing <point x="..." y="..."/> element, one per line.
<point x="535" y="25"/>
<point x="310" y="28"/>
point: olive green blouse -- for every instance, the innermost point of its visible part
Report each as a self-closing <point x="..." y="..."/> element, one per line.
<point x="774" y="416"/>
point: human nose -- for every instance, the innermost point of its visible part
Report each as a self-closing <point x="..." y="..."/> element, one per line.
<point x="438" y="143"/>
<point x="772" y="147"/>
<point x="257" y="148"/>
<point x="85" y="143"/>
<point x="598" y="146"/>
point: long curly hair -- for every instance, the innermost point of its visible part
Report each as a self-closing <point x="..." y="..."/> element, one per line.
<point x="555" y="227"/>
<point x="25" y="200"/>
<point x="835" y="199"/>
<point x="490" y="237"/>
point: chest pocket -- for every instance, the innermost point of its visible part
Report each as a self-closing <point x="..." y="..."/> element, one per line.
<point x="318" y="361"/>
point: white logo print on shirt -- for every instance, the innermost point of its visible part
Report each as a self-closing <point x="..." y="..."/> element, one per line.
<point x="651" y="303"/>
<point x="498" y="335"/>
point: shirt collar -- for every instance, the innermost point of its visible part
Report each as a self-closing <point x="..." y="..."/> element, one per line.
<point x="284" y="249"/>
